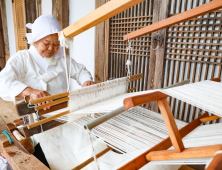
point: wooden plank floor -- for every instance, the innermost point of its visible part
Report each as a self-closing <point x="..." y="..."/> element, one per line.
<point x="16" y="158"/>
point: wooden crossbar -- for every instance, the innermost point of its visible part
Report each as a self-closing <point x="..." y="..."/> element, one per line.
<point x="99" y="15"/>
<point x="184" y="16"/>
<point x="195" y="152"/>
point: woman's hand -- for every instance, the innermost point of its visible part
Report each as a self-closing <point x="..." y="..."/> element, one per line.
<point x="35" y="94"/>
<point x="88" y="83"/>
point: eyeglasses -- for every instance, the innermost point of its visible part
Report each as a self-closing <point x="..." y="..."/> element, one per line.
<point x="53" y="44"/>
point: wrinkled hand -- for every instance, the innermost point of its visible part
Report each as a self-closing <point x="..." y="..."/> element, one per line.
<point x="88" y="83"/>
<point x="35" y="94"/>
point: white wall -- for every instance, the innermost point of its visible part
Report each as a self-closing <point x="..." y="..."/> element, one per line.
<point x="10" y="25"/>
<point x="46" y="7"/>
<point x="83" y="46"/>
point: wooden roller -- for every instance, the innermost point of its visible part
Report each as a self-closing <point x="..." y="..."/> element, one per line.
<point x="52" y="103"/>
<point x="48" y="98"/>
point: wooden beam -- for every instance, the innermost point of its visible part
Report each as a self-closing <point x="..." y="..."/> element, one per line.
<point x="157" y="57"/>
<point x="140" y="161"/>
<point x="171" y="125"/>
<point x="143" y="99"/>
<point x="99" y="15"/>
<point x="216" y="163"/>
<point x="195" y="152"/>
<point x="184" y="16"/>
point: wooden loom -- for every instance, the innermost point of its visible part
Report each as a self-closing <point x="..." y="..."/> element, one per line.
<point x="81" y="26"/>
<point x="160" y="152"/>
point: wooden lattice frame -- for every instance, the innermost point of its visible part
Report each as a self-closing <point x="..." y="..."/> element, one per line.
<point x="121" y="24"/>
<point x="193" y="52"/>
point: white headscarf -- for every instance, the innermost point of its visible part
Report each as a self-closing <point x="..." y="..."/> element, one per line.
<point x="43" y="26"/>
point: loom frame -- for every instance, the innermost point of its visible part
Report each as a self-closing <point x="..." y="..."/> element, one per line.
<point x="160" y="152"/>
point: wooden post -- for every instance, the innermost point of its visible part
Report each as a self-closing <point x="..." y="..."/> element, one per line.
<point x="4" y="30"/>
<point x="101" y="48"/>
<point x="171" y="125"/>
<point x="60" y="9"/>
<point x="2" y="45"/>
<point x="156" y="63"/>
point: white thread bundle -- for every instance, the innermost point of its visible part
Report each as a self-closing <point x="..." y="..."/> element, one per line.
<point x="94" y="94"/>
<point x="66" y="43"/>
<point x="206" y="95"/>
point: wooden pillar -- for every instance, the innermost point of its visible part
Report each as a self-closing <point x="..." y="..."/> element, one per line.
<point x="4" y="32"/>
<point x="101" y="48"/>
<point x="60" y="9"/>
<point x="38" y="8"/>
<point x="156" y="64"/>
<point x="2" y="46"/>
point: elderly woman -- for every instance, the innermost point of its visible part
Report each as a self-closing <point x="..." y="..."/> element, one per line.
<point x="40" y="70"/>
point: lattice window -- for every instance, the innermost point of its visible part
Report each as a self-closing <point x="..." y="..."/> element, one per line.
<point x="193" y="51"/>
<point x="130" y="20"/>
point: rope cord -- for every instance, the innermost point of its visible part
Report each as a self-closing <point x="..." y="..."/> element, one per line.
<point x="129" y="49"/>
<point x="93" y="151"/>
<point x="67" y="43"/>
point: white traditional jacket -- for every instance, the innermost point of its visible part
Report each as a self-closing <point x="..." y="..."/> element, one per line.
<point x="28" y="69"/>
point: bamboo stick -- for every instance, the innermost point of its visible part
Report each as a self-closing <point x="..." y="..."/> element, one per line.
<point x="184" y="16"/>
<point x="92" y="159"/>
<point x="47" y="119"/>
<point x="51" y="103"/>
<point x="48" y="98"/>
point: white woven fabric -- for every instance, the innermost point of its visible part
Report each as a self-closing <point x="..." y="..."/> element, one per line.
<point x="206" y="95"/>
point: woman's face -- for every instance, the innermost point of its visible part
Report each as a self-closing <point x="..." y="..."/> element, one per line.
<point x="48" y="45"/>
